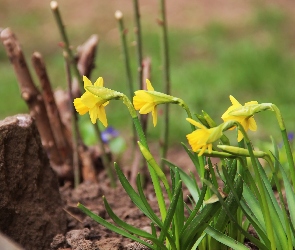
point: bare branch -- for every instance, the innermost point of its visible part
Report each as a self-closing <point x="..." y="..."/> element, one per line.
<point x="57" y="126"/>
<point x="30" y="93"/>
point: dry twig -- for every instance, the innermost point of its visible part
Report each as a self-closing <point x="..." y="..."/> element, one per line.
<point x="30" y="94"/>
<point x="59" y="130"/>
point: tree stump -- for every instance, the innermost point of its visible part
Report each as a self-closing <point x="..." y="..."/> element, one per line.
<point x="30" y="204"/>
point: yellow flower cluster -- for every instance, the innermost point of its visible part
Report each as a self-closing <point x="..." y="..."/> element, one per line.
<point x="146" y="101"/>
<point x="200" y="138"/>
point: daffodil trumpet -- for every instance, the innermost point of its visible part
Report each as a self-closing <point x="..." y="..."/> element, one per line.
<point x="146" y="101"/>
<point x="246" y="119"/>
<point x="203" y="137"/>
<point x="91" y="103"/>
<point x="241" y="151"/>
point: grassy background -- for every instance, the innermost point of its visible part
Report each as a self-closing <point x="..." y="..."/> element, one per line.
<point x="246" y="51"/>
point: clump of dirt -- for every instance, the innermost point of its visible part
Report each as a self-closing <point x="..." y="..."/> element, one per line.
<point x="85" y="232"/>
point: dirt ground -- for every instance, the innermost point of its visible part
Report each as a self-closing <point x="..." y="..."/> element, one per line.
<point x="84" y="233"/>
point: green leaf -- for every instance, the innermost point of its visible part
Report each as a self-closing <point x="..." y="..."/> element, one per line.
<point x="170" y="213"/>
<point x="224" y="239"/>
<point x="154" y="217"/>
<point x="289" y="195"/>
<point x="150" y="159"/>
<point x="111" y="227"/>
<point x="224" y="205"/>
<point x="130" y="228"/>
<point x="197" y="206"/>
<point x="133" y="195"/>
<point x="198" y="225"/>
<point x="179" y="215"/>
<point x="190" y="184"/>
<point x="277" y="216"/>
<point x="195" y="161"/>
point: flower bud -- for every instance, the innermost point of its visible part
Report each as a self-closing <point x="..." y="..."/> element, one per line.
<point x="241" y="151"/>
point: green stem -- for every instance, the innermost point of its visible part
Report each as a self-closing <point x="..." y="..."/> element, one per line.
<point x="61" y="27"/>
<point x="166" y="75"/>
<point x="105" y="159"/>
<point x="155" y="179"/>
<point x="122" y="31"/>
<point x="286" y="143"/>
<point x="138" y="41"/>
<point x="75" y="129"/>
<point x="143" y="141"/>
<point x="266" y="213"/>
<point x="188" y="112"/>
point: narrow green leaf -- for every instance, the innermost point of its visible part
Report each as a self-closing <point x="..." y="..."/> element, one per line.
<point x="170" y="214"/>
<point x="212" y="173"/>
<point x="132" y="194"/>
<point x="153" y="229"/>
<point x="199" y="240"/>
<point x="111" y="227"/>
<point x="277" y="216"/>
<point x="253" y="239"/>
<point x="152" y="162"/>
<point x="190" y="184"/>
<point x="197" y="207"/>
<point x="198" y="225"/>
<point x="289" y="195"/>
<point x="194" y="159"/>
<point x="130" y="228"/>
<point x="154" y="217"/>
<point x="179" y="215"/>
<point x="224" y="239"/>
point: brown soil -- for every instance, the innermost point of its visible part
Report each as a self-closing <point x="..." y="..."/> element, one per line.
<point x="90" y="234"/>
<point x="84" y="233"/>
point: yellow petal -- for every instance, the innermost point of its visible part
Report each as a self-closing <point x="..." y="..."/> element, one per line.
<point x="240" y="136"/>
<point x="202" y="151"/>
<point x="197" y="124"/>
<point x="234" y="101"/>
<point x="210" y="148"/>
<point x="106" y="103"/>
<point x="80" y="107"/>
<point x="89" y="99"/>
<point x="99" y="82"/>
<point x="147" y="108"/>
<point x="93" y="113"/>
<point x="144" y="95"/>
<point x="155" y="116"/>
<point x="86" y="81"/>
<point x="252" y="124"/>
<point x="149" y="86"/>
<point x="138" y="103"/>
<point x="102" y="116"/>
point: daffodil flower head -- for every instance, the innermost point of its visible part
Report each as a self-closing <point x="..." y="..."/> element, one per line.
<point x="245" y="118"/>
<point x="91" y="103"/>
<point x="202" y="138"/>
<point x="146" y="101"/>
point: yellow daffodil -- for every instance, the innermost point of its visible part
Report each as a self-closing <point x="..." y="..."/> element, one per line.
<point x="91" y="103"/>
<point x="146" y="101"/>
<point x="247" y="121"/>
<point x="199" y="139"/>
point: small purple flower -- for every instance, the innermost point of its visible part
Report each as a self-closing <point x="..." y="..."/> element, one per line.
<point x="290" y="136"/>
<point x="108" y="134"/>
<point x="290" y="139"/>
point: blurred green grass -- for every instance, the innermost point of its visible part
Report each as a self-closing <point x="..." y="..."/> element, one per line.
<point x="251" y="61"/>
